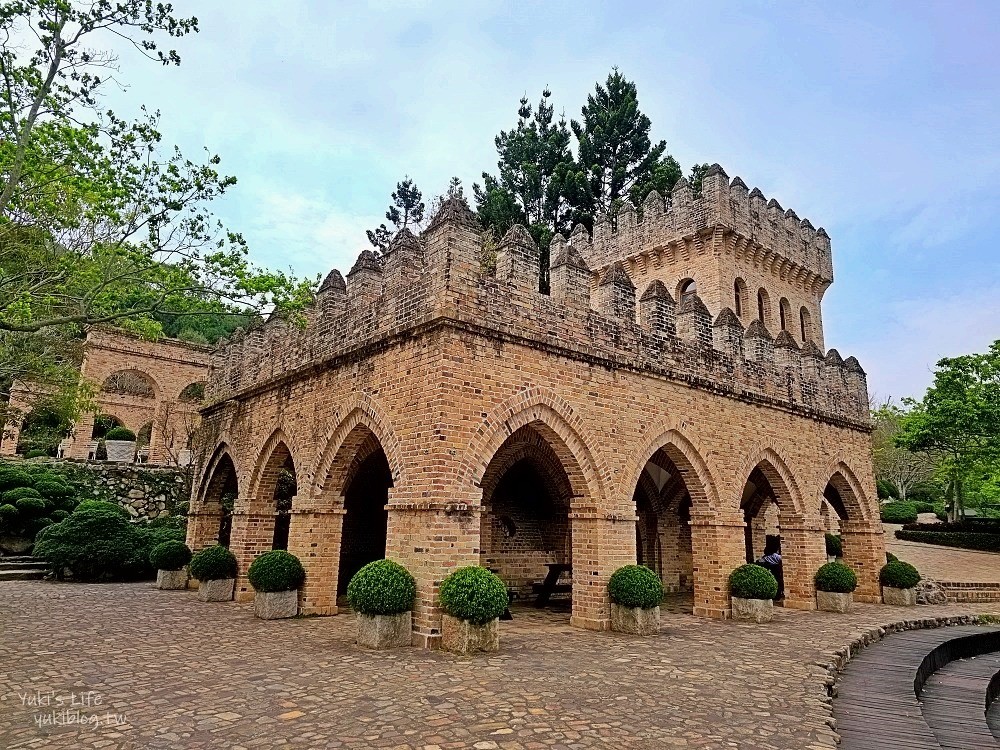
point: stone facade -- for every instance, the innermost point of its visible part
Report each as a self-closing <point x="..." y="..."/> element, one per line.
<point x="146" y="386"/>
<point x="443" y="415"/>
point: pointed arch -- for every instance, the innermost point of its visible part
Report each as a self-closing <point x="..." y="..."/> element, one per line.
<point x="775" y="469"/>
<point x="278" y="442"/>
<point x="849" y="490"/>
<point x="222" y="450"/>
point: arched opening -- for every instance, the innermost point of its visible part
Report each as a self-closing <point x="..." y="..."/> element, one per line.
<point x="686" y="288"/>
<point x="103" y="423"/>
<point x="43" y="429"/>
<point x="284" y="491"/>
<point x="366" y="493"/>
<point x="762" y="515"/>
<point x="805" y="324"/>
<point x="525" y="533"/>
<point x="192" y="393"/>
<point x="214" y="519"/>
<point x="143" y="437"/>
<point x="740" y="297"/>
<point x="764" y="308"/>
<point x="132" y="383"/>
<point x="663" y="528"/>
<point x="785" y="312"/>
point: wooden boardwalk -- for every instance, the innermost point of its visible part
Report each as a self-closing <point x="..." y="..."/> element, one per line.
<point x="954" y="702"/>
<point x="877" y="707"/>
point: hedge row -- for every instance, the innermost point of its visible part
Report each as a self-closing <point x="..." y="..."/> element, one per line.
<point x="964" y="539"/>
<point x="969" y="525"/>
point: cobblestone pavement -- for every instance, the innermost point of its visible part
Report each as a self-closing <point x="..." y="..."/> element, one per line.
<point x="187" y="674"/>
<point x="945" y="563"/>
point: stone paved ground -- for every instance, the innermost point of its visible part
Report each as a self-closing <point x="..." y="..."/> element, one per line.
<point x="184" y="673"/>
<point x="945" y="563"/>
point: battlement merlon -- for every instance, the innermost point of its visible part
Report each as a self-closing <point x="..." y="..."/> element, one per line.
<point x="752" y="226"/>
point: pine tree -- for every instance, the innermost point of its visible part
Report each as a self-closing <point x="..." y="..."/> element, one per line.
<point x="615" y="151"/>
<point x="406" y="209"/>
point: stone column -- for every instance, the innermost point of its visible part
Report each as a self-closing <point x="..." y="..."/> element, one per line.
<point x="158" y="437"/>
<point x="80" y="437"/>
<point x="314" y="537"/>
<point x="803" y="551"/>
<point x="203" y="528"/>
<point x="252" y="535"/>
<point x="602" y="543"/>
<point x="719" y="547"/>
<point x="864" y="552"/>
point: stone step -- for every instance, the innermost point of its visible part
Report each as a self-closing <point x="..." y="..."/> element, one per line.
<point x="21" y="563"/>
<point x="22" y="574"/>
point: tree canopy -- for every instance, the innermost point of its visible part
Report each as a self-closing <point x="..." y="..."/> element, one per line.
<point x="406" y="209"/>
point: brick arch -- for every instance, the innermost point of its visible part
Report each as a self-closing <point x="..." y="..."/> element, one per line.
<point x="209" y="477"/>
<point x="851" y="492"/>
<point x="683" y="453"/>
<point x="155" y="384"/>
<point x="528" y="443"/>
<point x="364" y="429"/>
<point x="779" y="476"/>
<point x="555" y="420"/>
<point x="267" y="463"/>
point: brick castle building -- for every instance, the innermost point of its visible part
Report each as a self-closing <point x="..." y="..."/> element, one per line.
<point x="666" y="402"/>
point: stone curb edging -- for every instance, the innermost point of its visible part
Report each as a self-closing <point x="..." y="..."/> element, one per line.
<point x="842" y="656"/>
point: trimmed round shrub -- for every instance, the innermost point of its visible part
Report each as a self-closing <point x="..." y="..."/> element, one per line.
<point x="120" y="433"/>
<point x="889" y="557"/>
<point x="101" y="505"/>
<point x="213" y="563"/>
<point x="92" y="544"/>
<point x="753" y="582"/>
<point x="474" y="594"/>
<point x="635" y="586"/>
<point x="53" y="490"/>
<point x="834" y="546"/>
<point x="31" y="506"/>
<point x="170" y="555"/>
<point x="8" y="515"/>
<point x="276" y="570"/>
<point x="10" y="478"/>
<point x="836" y="578"/>
<point x="899" y="513"/>
<point x="898" y="575"/>
<point x="36" y="453"/>
<point x="12" y="496"/>
<point x="59" y="515"/>
<point x="382" y="587"/>
<point x="923" y="506"/>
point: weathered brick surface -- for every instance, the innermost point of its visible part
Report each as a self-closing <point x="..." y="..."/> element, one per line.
<point x="456" y="375"/>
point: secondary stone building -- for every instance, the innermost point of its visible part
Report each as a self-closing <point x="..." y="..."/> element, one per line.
<point x="667" y="401"/>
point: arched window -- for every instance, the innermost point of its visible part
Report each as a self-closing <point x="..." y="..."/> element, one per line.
<point x="193" y="393"/>
<point x="785" y="313"/>
<point x="129" y="383"/>
<point x="740" y="297"/>
<point x="763" y="307"/>
<point x="805" y="322"/>
<point x="688" y="288"/>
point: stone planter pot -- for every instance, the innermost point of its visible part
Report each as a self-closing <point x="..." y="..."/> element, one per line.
<point x="635" y="620"/>
<point x="171" y="580"/>
<point x="276" y="605"/>
<point x="385" y="631"/>
<point x="899" y="597"/>
<point x="462" y="637"/>
<point x="753" y="610"/>
<point x="120" y="451"/>
<point x="830" y="601"/>
<point x="220" y="590"/>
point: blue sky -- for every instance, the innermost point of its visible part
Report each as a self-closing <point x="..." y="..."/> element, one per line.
<point x="878" y="121"/>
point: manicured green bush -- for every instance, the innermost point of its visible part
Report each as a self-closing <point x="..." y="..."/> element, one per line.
<point x="11" y="478"/>
<point x="886" y="489"/>
<point x="922" y="506"/>
<point x="213" y="563"/>
<point x="147" y="539"/>
<point x="92" y="544"/>
<point x="969" y="525"/>
<point x="889" y="557"/>
<point x="36" y="453"/>
<point x="120" y="433"/>
<point x="474" y="594"/>
<point x="12" y="496"/>
<point x="899" y="575"/>
<point x="834" y="547"/>
<point x="986" y="542"/>
<point x="170" y="555"/>
<point x="753" y="582"/>
<point x="59" y="515"/>
<point x="635" y="586"/>
<point x="382" y="587"/>
<point x="30" y="506"/>
<point x="899" y="513"/>
<point x="167" y="522"/>
<point x="52" y="490"/>
<point x="102" y="505"/>
<point x="8" y="515"/>
<point x="276" y="570"/>
<point x="837" y="578"/>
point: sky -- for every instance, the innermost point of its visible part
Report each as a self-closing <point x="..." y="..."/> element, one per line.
<point x="877" y="120"/>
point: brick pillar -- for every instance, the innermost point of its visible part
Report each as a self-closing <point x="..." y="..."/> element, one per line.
<point x="719" y="547"/>
<point x="252" y="535"/>
<point x="864" y="552"/>
<point x="158" y="437"/>
<point x="314" y="537"/>
<point x="203" y="528"/>
<point x="803" y="551"/>
<point x="80" y="437"/>
<point x="602" y="543"/>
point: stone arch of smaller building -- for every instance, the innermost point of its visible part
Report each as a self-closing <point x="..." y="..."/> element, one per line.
<point x="131" y="381"/>
<point x="192" y="393"/>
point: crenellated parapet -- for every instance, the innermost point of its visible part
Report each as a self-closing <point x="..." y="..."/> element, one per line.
<point x="439" y="280"/>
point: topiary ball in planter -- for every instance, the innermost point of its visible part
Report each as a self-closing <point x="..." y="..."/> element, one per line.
<point x="120" y="433"/>
<point x="835" y="584"/>
<point x="170" y="559"/>
<point x="276" y="577"/>
<point x="215" y="569"/>
<point x="899" y="581"/>
<point x="473" y="599"/>
<point x="382" y="595"/>
<point x="753" y="589"/>
<point x="636" y="593"/>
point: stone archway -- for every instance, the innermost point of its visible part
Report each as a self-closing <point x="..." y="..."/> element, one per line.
<point x="211" y="518"/>
<point x="861" y="537"/>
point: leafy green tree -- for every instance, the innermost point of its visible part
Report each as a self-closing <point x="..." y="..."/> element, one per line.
<point x="615" y="152"/>
<point x="904" y="469"/>
<point x="406" y="209"/>
<point x="959" y="417"/>
<point x="698" y="172"/>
